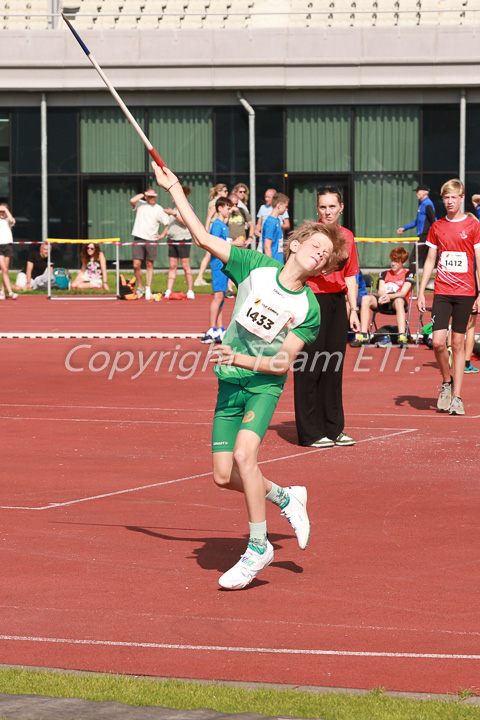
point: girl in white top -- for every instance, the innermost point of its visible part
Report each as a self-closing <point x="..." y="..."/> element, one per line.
<point x="94" y="268"/>
<point x="7" y="221"/>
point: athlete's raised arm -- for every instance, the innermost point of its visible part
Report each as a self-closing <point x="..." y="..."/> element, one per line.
<point x="169" y="182"/>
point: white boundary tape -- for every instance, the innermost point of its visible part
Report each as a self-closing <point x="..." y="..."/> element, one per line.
<point x="94" y="336"/>
<point x="230" y="649"/>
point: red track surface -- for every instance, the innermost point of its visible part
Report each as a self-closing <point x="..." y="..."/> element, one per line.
<point x="113" y="563"/>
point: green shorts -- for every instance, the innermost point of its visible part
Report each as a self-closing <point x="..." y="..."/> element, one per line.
<point x="239" y="409"/>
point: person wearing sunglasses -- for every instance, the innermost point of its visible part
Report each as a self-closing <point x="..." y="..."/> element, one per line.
<point x="94" y="269"/>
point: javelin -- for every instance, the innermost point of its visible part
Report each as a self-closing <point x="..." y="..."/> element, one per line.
<point x="117" y="97"/>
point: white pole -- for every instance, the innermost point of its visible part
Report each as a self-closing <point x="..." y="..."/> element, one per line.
<point x="44" y="169"/>
<point x="117" y="275"/>
<point x="463" y="135"/>
<point x="251" y="156"/>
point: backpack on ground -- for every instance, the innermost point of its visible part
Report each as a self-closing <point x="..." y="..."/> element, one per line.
<point x="127" y="289"/>
<point x="62" y="279"/>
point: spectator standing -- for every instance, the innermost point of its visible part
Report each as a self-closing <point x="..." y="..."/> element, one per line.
<point x="7" y="221"/>
<point x="456" y="240"/>
<point x="34" y="275"/>
<point x="242" y="192"/>
<point x="239" y="221"/>
<point x="148" y="217"/>
<point x="179" y="242"/>
<point x="266" y="210"/>
<point x="422" y="224"/>
<point x="218" y="191"/>
<point x="318" y="388"/>
<point x="219" y="229"/>
<point x="272" y="235"/>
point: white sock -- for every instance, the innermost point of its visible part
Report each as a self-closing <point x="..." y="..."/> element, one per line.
<point x="278" y="496"/>
<point x="258" y="537"/>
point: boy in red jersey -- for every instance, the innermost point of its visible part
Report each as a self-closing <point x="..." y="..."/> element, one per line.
<point x="456" y="239"/>
<point x="394" y="290"/>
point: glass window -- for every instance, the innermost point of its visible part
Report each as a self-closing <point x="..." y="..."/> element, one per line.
<point x="4" y="188"/>
<point x="183" y="137"/>
<point x="318" y="139"/>
<point x="4" y="142"/>
<point x="382" y="204"/>
<point x="441" y="131"/>
<point x="26" y="207"/>
<point x="472" y="159"/>
<point x="26" y="153"/>
<point x="108" y="143"/>
<point x="269" y="136"/>
<point x="387" y="138"/>
<point x="63" y="207"/>
<point x="62" y="140"/>
<point x="231" y="140"/>
<point x="110" y="214"/>
<point x="435" y="182"/>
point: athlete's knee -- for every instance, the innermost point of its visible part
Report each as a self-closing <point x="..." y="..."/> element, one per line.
<point x="439" y="343"/>
<point x="243" y="459"/>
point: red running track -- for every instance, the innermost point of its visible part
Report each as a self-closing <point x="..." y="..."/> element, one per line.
<point x="114" y="536"/>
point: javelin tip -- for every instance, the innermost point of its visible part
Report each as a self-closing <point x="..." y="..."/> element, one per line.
<point x="77" y="36"/>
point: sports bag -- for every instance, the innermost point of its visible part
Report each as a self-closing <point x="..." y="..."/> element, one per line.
<point x="62" y="278"/>
<point x="127" y="289"/>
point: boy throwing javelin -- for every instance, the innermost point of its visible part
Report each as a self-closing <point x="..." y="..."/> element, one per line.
<point x="456" y="238"/>
<point x="274" y="316"/>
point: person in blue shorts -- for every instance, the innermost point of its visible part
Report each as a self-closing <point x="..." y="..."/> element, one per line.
<point x="275" y="314"/>
<point x="219" y="228"/>
<point x="272" y="233"/>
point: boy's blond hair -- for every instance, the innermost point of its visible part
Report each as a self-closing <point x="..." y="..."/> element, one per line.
<point x="453" y="186"/>
<point x="279" y="198"/>
<point x="334" y="234"/>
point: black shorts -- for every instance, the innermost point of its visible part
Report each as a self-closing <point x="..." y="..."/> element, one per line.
<point x="456" y="307"/>
<point x="179" y="250"/>
<point x="6" y="249"/>
<point x="144" y="252"/>
<point x="388" y="308"/>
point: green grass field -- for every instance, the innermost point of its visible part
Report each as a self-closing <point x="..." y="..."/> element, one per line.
<point x="372" y="705"/>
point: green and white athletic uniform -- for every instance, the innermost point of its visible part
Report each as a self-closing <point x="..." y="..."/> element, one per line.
<point x="264" y="313"/>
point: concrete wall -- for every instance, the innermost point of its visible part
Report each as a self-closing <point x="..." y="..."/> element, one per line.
<point x="280" y="60"/>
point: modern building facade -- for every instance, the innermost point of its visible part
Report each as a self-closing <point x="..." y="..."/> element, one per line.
<point x="372" y="110"/>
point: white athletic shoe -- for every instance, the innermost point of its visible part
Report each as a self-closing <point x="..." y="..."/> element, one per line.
<point x="148" y="293"/>
<point x="190" y="295"/>
<point x="324" y="442"/>
<point x="344" y="439"/>
<point x="247" y="568"/>
<point x="296" y="514"/>
<point x="167" y="294"/>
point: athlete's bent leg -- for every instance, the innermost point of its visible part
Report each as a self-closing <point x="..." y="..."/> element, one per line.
<point x="439" y="341"/>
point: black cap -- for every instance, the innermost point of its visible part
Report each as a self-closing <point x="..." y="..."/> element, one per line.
<point x="422" y="187"/>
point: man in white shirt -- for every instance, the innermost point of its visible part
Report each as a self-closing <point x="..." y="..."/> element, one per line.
<point x="149" y="215"/>
<point x="266" y="210"/>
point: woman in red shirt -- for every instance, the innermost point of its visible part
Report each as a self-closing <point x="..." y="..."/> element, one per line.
<point x="318" y="386"/>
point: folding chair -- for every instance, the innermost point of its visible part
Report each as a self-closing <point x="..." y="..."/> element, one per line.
<point x="388" y="311"/>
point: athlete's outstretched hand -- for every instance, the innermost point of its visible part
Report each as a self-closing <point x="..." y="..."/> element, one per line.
<point x="164" y="177"/>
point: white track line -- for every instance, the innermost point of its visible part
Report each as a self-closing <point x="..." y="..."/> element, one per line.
<point x="191" y="477"/>
<point x="106" y="421"/>
<point x="98" y="336"/>
<point x="222" y="648"/>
